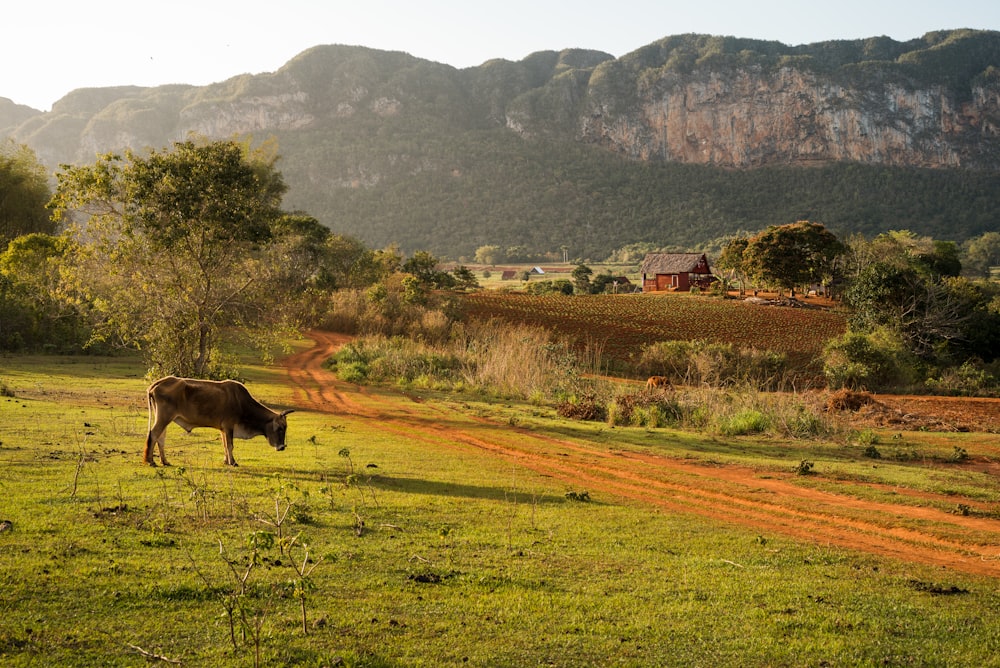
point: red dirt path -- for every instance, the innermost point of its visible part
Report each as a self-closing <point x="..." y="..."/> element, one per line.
<point x="770" y="503"/>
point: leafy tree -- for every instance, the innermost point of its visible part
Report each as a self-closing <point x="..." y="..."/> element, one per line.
<point x="464" y="278"/>
<point x="581" y="278"/>
<point x="24" y="192"/>
<point x="905" y="283"/>
<point x="793" y="255"/>
<point x="943" y="259"/>
<point x="982" y="253"/>
<point x="601" y="282"/>
<point x="424" y="268"/>
<point x="732" y="261"/>
<point x="489" y="255"/>
<point x="175" y="248"/>
<point x="321" y="260"/>
<point x="33" y="312"/>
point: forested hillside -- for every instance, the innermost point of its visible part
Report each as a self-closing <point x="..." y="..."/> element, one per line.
<point x="677" y="143"/>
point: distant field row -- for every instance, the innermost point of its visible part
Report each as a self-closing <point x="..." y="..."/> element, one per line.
<point x="624" y="323"/>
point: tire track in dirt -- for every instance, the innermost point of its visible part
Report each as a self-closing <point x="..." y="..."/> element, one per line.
<point x="769" y="503"/>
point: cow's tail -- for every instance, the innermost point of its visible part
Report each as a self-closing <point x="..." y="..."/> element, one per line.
<point x="148" y="454"/>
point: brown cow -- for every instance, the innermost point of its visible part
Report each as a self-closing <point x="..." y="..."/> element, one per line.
<point x="658" y="381"/>
<point x="225" y="405"/>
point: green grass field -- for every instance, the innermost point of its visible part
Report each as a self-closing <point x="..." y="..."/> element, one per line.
<point x="424" y="553"/>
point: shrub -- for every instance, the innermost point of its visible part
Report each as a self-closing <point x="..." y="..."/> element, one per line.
<point x="800" y="422"/>
<point x="804" y="468"/>
<point x="352" y="372"/>
<point x="872" y="361"/>
<point x="745" y="422"/>
<point x="583" y="408"/>
<point x="649" y="408"/>
<point x="970" y="379"/>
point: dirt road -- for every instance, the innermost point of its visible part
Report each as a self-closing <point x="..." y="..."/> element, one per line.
<point x="771" y="503"/>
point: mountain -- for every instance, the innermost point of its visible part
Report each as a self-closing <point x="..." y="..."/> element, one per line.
<point x="679" y="142"/>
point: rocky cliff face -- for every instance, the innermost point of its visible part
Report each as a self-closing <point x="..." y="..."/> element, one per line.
<point x="931" y="102"/>
<point x="750" y="117"/>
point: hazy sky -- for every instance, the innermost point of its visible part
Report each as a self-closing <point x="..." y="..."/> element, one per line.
<point x="50" y="47"/>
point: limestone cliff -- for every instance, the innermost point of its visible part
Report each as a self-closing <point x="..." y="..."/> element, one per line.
<point x="751" y="116"/>
<point x="930" y="102"/>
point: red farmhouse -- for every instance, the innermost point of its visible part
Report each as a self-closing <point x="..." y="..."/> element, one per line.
<point x="675" y="272"/>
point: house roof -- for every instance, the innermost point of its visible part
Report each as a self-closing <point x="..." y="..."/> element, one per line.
<point x="672" y="263"/>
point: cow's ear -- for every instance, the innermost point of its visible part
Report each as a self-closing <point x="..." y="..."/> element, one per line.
<point x="286" y="412"/>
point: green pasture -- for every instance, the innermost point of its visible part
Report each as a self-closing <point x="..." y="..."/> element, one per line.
<point x="423" y="554"/>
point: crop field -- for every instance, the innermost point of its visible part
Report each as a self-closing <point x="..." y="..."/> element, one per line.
<point x="623" y="323"/>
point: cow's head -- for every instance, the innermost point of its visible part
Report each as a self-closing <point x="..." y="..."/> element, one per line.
<point x="275" y="430"/>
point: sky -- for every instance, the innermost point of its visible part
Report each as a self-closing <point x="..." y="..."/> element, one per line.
<point x="49" y="48"/>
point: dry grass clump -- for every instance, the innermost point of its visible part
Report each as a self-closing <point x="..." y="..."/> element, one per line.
<point x="849" y="400"/>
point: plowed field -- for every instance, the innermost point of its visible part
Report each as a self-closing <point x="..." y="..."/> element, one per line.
<point x="771" y="503"/>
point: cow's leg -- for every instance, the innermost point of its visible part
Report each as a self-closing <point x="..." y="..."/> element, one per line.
<point x="160" y="442"/>
<point x="227" y="444"/>
<point x="157" y="434"/>
<point x="147" y="455"/>
<point x="157" y="437"/>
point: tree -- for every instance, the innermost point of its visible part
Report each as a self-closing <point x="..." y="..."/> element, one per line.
<point x="489" y="255"/>
<point x="24" y="192"/>
<point x="33" y="312"/>
<point x="317" y="259"/>
<point x="601" y="282"/>
<point x="793" y="255"/>
<point x="905" y="284"/>
<point x="581" y="278"/>
<point x="732" y="261"/>
<point x="464" y="278"/>
<point x="424" y="268"/>
<point x="173" y="250"/>
<point x="982" y="253"/>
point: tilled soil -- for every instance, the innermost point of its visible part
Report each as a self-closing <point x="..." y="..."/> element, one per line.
<point x="771" y="503"/>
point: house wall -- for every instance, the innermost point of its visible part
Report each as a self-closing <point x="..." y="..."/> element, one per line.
<point x="666" y="282"/>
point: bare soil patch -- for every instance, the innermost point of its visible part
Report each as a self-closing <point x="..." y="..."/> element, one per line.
<point x="770" y="503"/>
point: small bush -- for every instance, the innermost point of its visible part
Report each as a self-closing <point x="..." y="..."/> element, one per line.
<point x="649" y="408"/>
<point x="872" y="361"/>
<point x="745" y="422"/>
<point x="867" y="437"/>
<point x="800" y="422"/>
<point x="584" y="408"/>
<point x="353" y="372"/>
